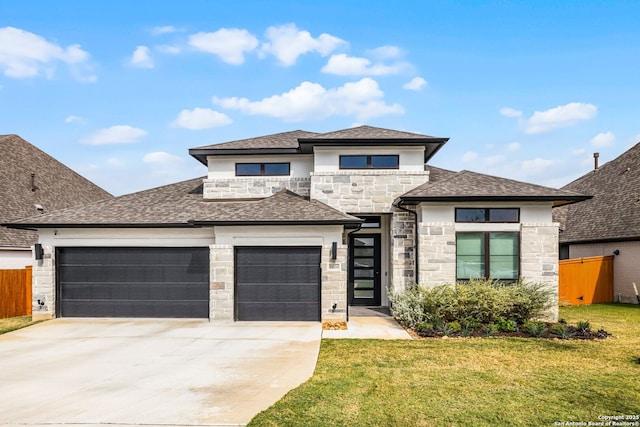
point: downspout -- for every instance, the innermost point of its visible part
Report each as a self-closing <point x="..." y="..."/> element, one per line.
<point x="348" y="261"/>
<point x="416" y="246"/>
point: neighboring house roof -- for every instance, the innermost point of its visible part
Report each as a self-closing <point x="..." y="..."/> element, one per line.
<point x="613" y="214"/>
<point x="29" y="178"/>
<point x="302" y="142"/>
<point x="472" y="186"/>
<point x="182" y="205"/>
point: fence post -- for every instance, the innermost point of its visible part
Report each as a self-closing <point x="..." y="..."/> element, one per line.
<point x="28" y="272"/>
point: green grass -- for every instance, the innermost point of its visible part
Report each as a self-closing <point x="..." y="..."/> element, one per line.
<point x="472" y="381"/>
<point x="13" y="323"/>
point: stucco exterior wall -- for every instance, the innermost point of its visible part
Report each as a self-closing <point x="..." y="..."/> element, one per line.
<point x="15" y="259"/>
<point x="626" y="265"/>
<point x="364" y="191"/>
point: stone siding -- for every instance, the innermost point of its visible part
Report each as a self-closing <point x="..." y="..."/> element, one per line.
<point x="402" y="250"/>
<point x="254" y="187"/>
<point x="334" y="284"/>
<point x="539" y="259"/>
<point x="44" y="285"/>
<point x="437" y="253"/>
<point x="364" y="191"/>
<point x="221" y="287"/>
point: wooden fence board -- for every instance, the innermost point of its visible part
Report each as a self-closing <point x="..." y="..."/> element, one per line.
<point x="586" y="280"/>
<point x="15" y="292"/>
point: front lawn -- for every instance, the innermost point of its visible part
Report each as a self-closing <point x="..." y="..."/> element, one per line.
<point x="473" y="381"/>
<point x="13" y="323"/>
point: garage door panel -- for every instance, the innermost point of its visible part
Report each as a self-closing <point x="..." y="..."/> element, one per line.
<point x="133" y="282"/>
<point x="277" y="312"/>
<point x="278" y="283"/>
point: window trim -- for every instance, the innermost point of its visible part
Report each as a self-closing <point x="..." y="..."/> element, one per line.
<point x="487" y="256"/>
<point x="262" y="168"/>
<point x="487" y="216"/>
<point x="369" y="157"/>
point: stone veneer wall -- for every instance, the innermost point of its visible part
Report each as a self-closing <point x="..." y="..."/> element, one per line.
<point x="222" y="285"/>
<point x="402" y="250"/>
<point x="334" y="284"/>
<point x="44" y="285"/>
<point x="539" y="259"/>
<point x="364" y="191"/>
<point x="222" y="297"/>
<point x="254" y="187"/>
<point x="437" y="253"/>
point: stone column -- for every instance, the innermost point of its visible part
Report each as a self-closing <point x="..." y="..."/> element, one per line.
<point x="437" y="254"/>
<point x="402" y="250"/>
<point x="221" y="293"/>
<point x="44" y="285"/>
<point x="334" y="284"/>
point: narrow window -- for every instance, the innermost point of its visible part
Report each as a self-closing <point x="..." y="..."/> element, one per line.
<point x="257" y="169"/>
<point x="370" y="222"/>
<point x="505" y="215"/>
<point x="370" y="162"/>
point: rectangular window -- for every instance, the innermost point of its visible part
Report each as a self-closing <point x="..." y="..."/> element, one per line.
<point x="484" y="255"/>
<point x="487" y="215"/>
<point x="258" y="169"/>
<point x="370" y="162"/>
<point x="370" y="222"/>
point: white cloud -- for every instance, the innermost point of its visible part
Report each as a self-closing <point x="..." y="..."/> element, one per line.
<point x="578" y="152"/>
<point x="514" y="146"/>
<point x="287" y="43"/>
<point x="166" y="29"/>
<point x="603" y="139"/>
<point x="161" y="157"/>
<point x="536" y="166"/>
<point x="168" y="49"/>
<point x="344" y="65"/>
<point x="201" y="118"/>
<point x="362" y="99"/>
<point x="230" y="44"/>
<point x="115" y="162"/>
<point x="141" y="58"/>
<point x="469" y="156"/>
<point x="415" y="83"/>
<point x="494" y="160"/>
<point x="24" y="54"/>
<point x="386" y="52"/>
<point x="560" y="116"/>
<point x="510" y="112"/>
<point x="74" y="119"/>
<point x="119" y="134"/>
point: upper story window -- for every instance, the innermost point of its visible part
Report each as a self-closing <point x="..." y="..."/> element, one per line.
<point x="487" y="215"/>
<point x="370" y="162"/>
<point x="259" y="169"/>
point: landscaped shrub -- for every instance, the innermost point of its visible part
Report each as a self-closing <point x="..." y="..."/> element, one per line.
<point x="561" y="330"/>
<point x="471" y="303"/>
<point x="506" y="325"/>
<point x="537" y="329"/>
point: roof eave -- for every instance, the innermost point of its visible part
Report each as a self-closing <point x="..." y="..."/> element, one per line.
<point x="35" y="226"/>
<point x="557" y="201"/>
<point x="274" y="222"/>
<point x="201" y="154"/>
<point x="432" y="145"/>
<point x="600" y="240"/>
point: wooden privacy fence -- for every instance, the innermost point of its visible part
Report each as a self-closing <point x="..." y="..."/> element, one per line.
<point x="586" y="280"/>
<point x="15" y="293"/>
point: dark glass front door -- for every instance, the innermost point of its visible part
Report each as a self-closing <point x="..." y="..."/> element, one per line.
<point x="364" y="269"/>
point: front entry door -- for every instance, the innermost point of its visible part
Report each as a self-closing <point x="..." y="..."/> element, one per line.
<point x="364" y="269"/>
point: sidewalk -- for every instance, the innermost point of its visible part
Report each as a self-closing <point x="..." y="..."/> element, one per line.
<point x="385" y="328"/>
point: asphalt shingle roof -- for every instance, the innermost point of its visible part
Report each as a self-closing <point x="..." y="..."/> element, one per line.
<point x="54" y="187"/>
<point x="367" y="133"/>
<point x="614" y="211"/>
<point x="277" y="140"/>
<point x="182" y="204"/>
<point x="467" y="185"/>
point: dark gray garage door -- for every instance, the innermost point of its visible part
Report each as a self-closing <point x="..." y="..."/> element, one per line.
<point x="278" y="283"/>
<point x="133" y="282"/>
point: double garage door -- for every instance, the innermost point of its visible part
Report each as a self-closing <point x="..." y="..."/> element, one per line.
<point x="272" y="283"/>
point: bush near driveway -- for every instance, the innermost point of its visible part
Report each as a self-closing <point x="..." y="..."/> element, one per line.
<point x="472" y="381"/>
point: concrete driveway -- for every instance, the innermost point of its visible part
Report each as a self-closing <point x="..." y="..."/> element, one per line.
<point x="151" y="372"/>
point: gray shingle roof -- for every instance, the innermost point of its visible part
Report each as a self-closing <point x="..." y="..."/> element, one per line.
<point x="182" y="204"/>
<point x="277" y="140"/>
<point x="614" y="211"/>
<point x="55" y="186"/>
<point x="473" y="186"/>
<point x="368" y="132"/>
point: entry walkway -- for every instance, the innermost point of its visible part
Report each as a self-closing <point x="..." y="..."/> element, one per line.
<point x="370" y="323"/>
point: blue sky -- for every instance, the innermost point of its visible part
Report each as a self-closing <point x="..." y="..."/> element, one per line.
<point x="120" y="90"/>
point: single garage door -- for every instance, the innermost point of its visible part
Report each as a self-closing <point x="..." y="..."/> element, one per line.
<point x="133" y="282"/>
<point x="278" y="283"/>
